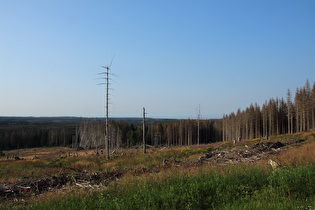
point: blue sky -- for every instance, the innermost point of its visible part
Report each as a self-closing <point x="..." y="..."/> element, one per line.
<point x="169" y="55"/>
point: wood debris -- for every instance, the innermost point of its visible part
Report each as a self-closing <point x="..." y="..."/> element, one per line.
<point x="27" y="188"/>
<point x="244" y="154"/>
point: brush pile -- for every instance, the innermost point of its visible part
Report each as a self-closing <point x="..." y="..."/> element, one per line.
<point x="27" y="188"/>
<point x="254" y="153"/>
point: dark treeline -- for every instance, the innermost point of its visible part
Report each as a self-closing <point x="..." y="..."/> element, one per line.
<point x="27" y="132"/>
<point x="276" y="116"/>
<point x="90" y="133"/>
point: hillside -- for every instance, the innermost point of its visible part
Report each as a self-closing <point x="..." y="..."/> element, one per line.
<point x="30" y="175"/>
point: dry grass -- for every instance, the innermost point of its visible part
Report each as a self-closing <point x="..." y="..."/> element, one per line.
<point x="50" y="159"/>
<point x="301" y="155"/>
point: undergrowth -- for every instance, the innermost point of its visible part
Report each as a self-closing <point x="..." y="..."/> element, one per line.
<point x="240" y="186"/>
<point x="234" y="187"/>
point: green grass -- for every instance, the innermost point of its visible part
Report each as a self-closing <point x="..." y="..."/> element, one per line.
<point x="239" y="186"/>
<point x="234" y="187"/>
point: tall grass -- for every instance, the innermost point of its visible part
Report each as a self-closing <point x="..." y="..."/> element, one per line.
<point x="302" y="155"/>
<point x="234" y="187"/>
<point x="240" y="186"/>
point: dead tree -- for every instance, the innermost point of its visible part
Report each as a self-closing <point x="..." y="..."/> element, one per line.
<point x="143" y="132"/>
<point x="106" y="74"/>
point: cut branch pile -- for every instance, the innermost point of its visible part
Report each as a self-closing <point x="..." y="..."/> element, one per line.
<point x="82" y="179"/>
<point x="257" y="152"/>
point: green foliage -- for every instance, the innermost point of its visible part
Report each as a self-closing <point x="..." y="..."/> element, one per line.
<point x="58" y="162"/>
<point x="237" y="187"/>
<point x="134" y="136"/>
<point x="190" y="150"/>
<point x="40" y="164"/>
<point x="295" y="183"/>
<point x="7" y="171"/>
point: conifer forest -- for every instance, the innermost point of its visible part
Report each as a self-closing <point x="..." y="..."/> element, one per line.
<point x="295" y="113"/>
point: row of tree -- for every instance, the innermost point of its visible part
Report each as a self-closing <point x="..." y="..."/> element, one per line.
<point x="91" y="133"/>
<point x="35" y="137"/>
<point x="276" y="116"/>
<point x="21" y="132"/>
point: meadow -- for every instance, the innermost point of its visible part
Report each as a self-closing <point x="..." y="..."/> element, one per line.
<point x="148" y="181"/>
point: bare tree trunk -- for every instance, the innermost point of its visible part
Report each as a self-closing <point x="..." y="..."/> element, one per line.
<point x="143" y="132"/>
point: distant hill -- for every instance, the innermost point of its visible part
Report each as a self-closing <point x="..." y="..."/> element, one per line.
<point x="9" y="121"/>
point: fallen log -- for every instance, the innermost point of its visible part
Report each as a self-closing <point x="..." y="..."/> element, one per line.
<point x="25" y="188"/>
<point x="4" y="189"/>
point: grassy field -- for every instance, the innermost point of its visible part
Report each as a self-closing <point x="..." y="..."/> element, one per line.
<point x="189" y="185"/>
<point x="241" y="187"/>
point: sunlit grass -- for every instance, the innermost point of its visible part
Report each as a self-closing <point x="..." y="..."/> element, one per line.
<point x="239" y="186"/>
<point x="245" y="186"/>
<point x="302" y="155"/>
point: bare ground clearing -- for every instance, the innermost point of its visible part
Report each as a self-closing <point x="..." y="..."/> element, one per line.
<point x="74" y="177"/>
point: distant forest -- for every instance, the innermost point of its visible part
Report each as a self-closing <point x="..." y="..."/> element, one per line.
<point x="276" y="116"/>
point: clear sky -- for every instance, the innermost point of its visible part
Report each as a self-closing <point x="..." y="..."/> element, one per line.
<point x="169" y="55"/>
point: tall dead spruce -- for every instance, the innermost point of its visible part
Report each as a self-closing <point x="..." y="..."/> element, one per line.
<point x="143" y="132"/>
<point x="106" y="77"/>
